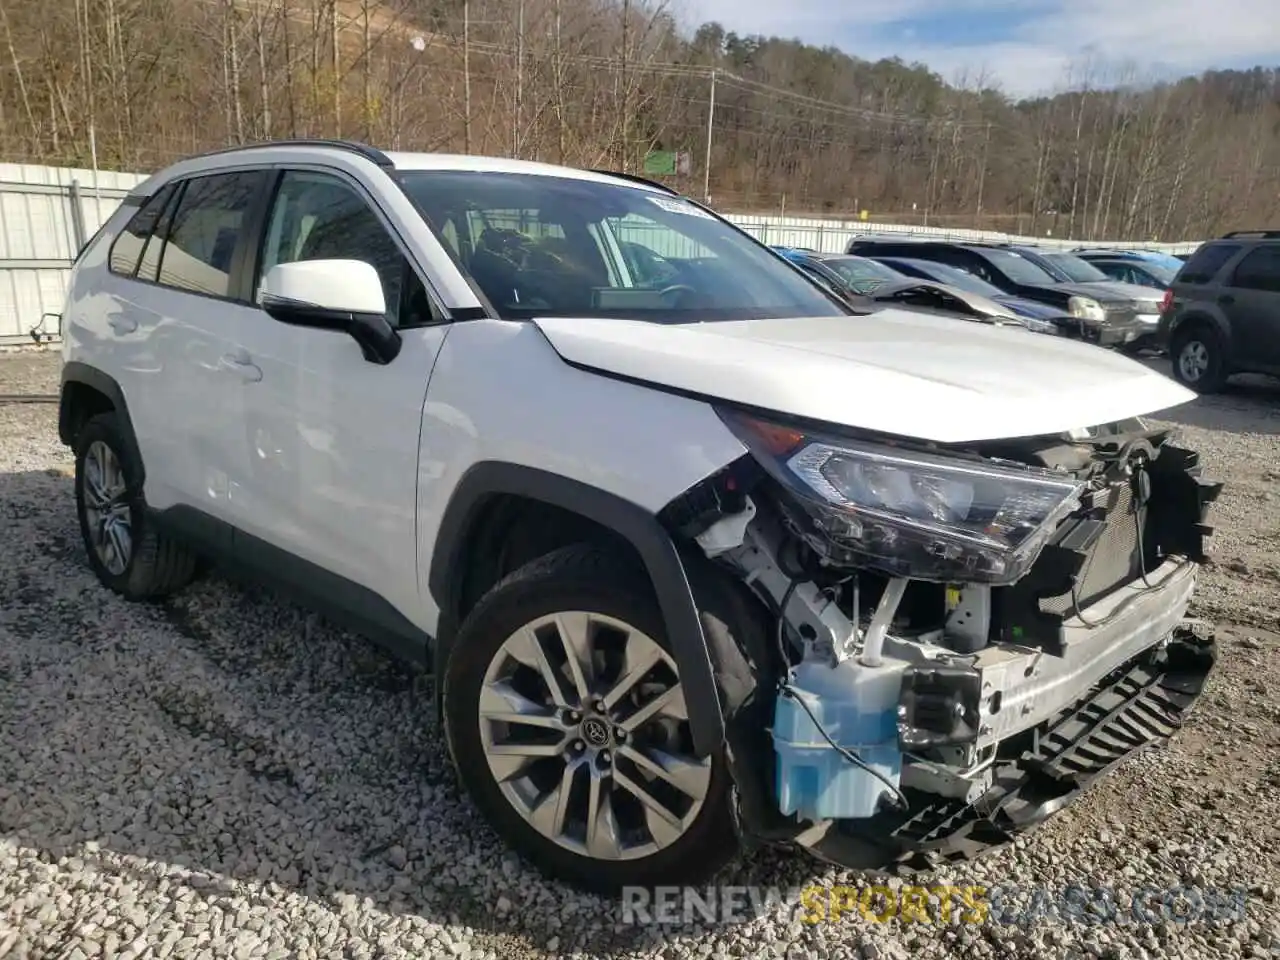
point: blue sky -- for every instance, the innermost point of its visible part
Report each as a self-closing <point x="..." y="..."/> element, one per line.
<point x="1026" y="47"/>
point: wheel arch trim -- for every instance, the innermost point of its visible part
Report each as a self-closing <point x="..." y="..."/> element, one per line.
<point x="636" y="525"/>
<point x="77" y="372"/>
<point x="1209" y="318"/>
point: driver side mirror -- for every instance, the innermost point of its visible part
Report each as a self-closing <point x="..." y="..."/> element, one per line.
<point x="337" y="295"/>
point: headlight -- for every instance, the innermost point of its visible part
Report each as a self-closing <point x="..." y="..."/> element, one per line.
<point x="1086" y="308"/>
<point x="912" y="514"/>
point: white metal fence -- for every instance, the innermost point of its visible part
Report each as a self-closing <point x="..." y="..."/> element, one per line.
<point x="48" y="213"/>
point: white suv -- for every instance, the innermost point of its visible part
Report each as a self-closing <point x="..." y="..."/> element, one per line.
<point x="699" y="555"/>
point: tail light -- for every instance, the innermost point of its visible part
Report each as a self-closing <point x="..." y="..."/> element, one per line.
<point x="1166" y="303"/>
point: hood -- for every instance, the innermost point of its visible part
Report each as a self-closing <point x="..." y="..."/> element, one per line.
<point x="1030" y="308"/>
<point x="1117" y="290"/>
<point x="890" y="290"/>
<point x="1070" y="288"/>
<point x="893" y="371"/>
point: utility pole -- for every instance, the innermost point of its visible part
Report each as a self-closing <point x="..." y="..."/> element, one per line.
<point x="706" y="165"/>
<point x="466" y="75"/>
<point x="515" y="128"/>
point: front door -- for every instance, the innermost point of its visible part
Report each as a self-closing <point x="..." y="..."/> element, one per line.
<point x="330" y="439"/>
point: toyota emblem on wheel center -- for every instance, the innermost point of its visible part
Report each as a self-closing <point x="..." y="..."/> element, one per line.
<point x="595" y="732"/>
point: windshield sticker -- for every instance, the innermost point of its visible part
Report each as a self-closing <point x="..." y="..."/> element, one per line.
<point x="678" y="206"/>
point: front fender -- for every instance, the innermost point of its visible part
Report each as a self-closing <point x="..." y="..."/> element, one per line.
<point x="640" y="528"/>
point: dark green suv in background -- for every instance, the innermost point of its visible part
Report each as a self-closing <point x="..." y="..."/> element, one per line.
<point x="1221" y="315"/>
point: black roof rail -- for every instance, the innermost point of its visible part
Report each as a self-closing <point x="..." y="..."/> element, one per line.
<point x="1257" y="234"/>
<point x="636" y="178"/>
<point x="351" y="146"/>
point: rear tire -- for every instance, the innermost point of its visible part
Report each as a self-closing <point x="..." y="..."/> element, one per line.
<point x="127" y="553"/>
<point x="590" y="754"/>
<point x="1198" y="355"/>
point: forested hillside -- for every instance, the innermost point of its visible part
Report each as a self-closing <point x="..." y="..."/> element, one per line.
<point x="796" y="128"/>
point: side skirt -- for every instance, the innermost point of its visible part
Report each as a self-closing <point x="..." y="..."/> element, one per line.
<point x="343" y="601"/>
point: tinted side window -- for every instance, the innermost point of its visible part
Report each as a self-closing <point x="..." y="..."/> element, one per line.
<point x="127" y="247"/>
<point x="206" y="229"/>
<point x="317" y="216"/>
<point x="1260" y="270"/>
<point x="149" y="265"/>
<point x="1206" y="263"/>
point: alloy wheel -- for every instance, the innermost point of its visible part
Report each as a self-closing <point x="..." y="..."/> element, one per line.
<point x="585" y="730"/>
<point x="106" y="507"/>
<point x="1193" y="360"/>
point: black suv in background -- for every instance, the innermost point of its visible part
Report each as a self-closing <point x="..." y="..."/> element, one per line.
<point x="1222" y="313"/>
<point x="1109" y="313"/>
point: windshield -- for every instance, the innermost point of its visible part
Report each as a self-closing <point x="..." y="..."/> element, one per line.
<point x="1018" y="268"/>
<point x="956" y="277"/>
<point x="1081" y="271"/>
<point x="861" y="274"/>
<point x="558" y="246"/>
<point x="1162" y="273"/>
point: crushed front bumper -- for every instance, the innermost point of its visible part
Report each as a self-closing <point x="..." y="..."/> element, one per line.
<point x="1125" y="327"/>
<point x="1140" y="704"/>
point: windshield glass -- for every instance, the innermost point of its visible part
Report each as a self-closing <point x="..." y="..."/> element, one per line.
<point x="1081" y="271"/>
<point x="861" y="274"/>
<point x="1161" y="272"/>
<point x="1018" y="268"/>
<point x="558" y="246"/>
<point x="944" y="273"/>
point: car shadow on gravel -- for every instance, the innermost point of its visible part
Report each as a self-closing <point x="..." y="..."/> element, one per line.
<point x="1247" y="404"/>
<point x="232" y="744"/>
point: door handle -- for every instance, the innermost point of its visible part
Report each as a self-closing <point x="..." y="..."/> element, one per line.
<point x="1226" y="299"/>
<point x="122" y="323"/>
<point x="240" y="364"/>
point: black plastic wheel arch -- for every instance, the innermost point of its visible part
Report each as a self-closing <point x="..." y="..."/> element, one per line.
<point x="81" y="373"/>
<point x="654" y="545"/>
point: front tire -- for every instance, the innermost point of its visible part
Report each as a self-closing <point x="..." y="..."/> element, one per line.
<point x="567" y="723"/>
<point x="126" y="552"/>
<point x="1199" y="359"/>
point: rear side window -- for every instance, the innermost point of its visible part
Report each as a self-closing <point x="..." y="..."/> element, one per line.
<point x="128" y="246"/>
<point x="1260" y="270"/>
<point x="1206" y="263"/>
<point x="206" y="231"/>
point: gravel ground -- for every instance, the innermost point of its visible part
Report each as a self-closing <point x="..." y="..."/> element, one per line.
<point x="225" y="775"/>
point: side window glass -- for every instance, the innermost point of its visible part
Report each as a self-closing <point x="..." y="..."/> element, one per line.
<point x="149" y="265"/>
<point x="128" y="246"/>
<point x="317" y="216"/>
<point x="206" y="230"/>
<point x="1260" y="270"/>
<point x="1206" y="263"/>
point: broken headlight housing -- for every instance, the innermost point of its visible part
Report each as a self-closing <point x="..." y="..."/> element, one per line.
<point x="911" y="514"/>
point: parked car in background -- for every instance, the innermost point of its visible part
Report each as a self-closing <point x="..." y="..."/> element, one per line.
<point x="857" y="274"/>
<point x="1038" y="316"/>
<point x="1222" y="312"/>
<point x="1110" y="317"/>
<point x="859" y="280"/>
<point x="1130" y="268"/>
<point x="1144" y="267"/>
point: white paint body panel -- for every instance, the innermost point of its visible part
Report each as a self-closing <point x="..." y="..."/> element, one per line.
<point x="499" y="392"/>
<point x="892" y="371"/>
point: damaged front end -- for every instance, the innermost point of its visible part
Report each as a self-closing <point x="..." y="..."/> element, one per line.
<point x="965" y="637"/>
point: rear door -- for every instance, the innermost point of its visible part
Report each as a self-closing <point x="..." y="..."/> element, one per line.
<point x="1251" y="301"/>
<point x="189" y="290"/>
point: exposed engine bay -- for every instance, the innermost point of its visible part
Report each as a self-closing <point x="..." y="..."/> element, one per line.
<point x="944" y="612"/>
